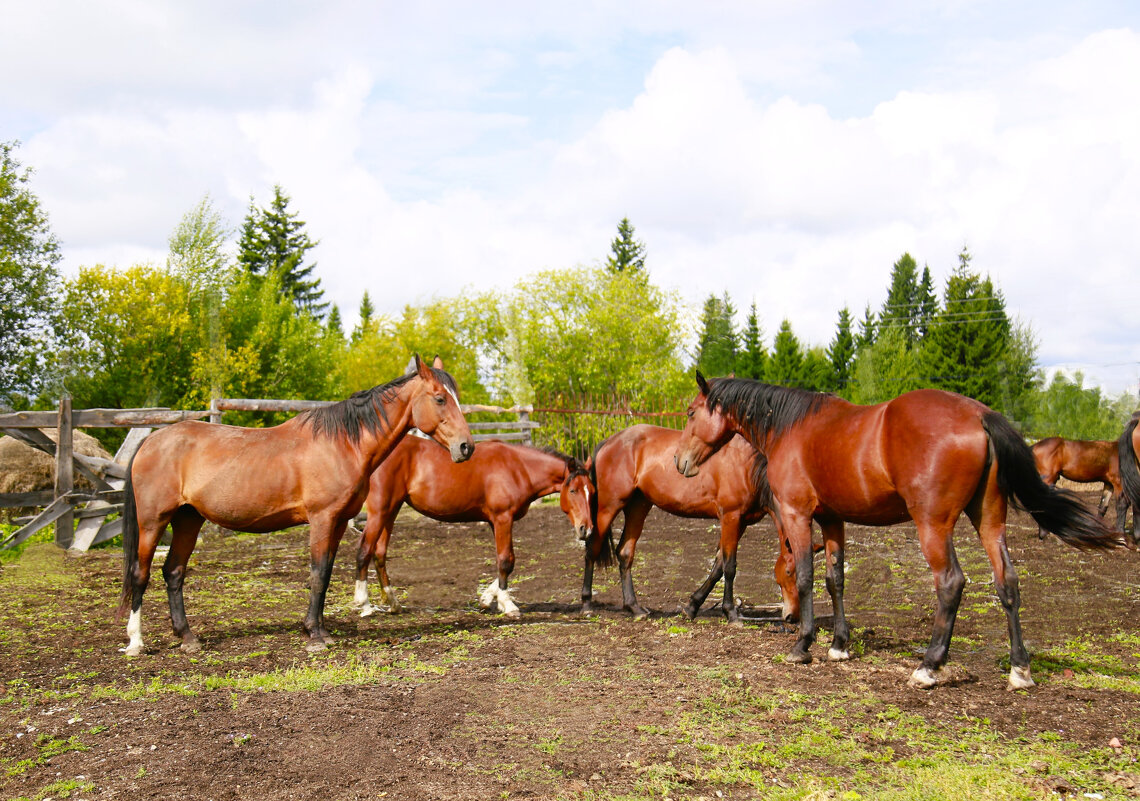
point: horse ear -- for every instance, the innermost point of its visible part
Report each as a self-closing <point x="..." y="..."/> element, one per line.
<point x="412" y="369"/>
<point x="422" y="368"/>
<point x="437" y="362"/>
<point x="702" y="384"/>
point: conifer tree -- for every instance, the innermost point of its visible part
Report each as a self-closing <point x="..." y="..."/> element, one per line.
<point x="754" y="356"/>
<point x="841" y="352"/>
<point x="719" y="341"/>
<point x="627" y="253"/>
<point x="866" y="335"/>
<point x="333" y="324"/>
<point x="901" y="308"/>
<point x="927" y="303"/>
<point x="274" y="241"/>
<point x="786" y="365"/>
<point x="366" y="313"/>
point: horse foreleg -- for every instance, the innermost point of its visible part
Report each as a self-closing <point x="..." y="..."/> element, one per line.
<point x="374" y="545"/>
<point x="698" y="597"/>
<point x="949" y="581"/>
<point x="149" y="535"/>
<point x="797" y="529"/>
<point x="833" y="541"/>
<point x="185" y="525"/>
<point x="496" y="593"/>
<point x="731" y="531"/>
<point x="324" y="537"/>
<point x="635" y="514"/>
<point x="601" y="538"/>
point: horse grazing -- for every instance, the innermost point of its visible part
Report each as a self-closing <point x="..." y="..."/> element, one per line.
<point x="1128" y="449"/>
<point x="1084" y="461"/>
<point x="497" y="486"/>
<point x="313" y="468"/>
<point x="925" y="456"/>
<point x="633" y="472"/>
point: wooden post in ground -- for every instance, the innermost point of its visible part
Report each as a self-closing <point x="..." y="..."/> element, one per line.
<point x="215" y="412"/>
<point x="524" y="417"/>
<point x="64" y="472"/>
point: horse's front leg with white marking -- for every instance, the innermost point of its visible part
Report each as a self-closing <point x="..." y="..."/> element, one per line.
<point x="496" y="593"/>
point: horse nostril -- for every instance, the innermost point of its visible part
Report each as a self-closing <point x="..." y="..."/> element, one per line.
<point x="465" y="448"/>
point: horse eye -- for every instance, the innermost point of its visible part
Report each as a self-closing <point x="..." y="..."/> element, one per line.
<point x="440" y="400"/>
<point x="690" y="412"/>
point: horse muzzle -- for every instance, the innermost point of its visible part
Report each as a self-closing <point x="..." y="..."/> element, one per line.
<point x="461" y="451"/>
<point x="584" y="533"/>
<point x="686" y="465"/>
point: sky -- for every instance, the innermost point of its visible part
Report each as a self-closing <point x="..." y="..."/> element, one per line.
<point x="787" y="153"/>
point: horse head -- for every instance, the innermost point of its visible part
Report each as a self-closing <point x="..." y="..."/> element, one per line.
<point x="436" y="412"/>
<point x="578" y="497"/>
<point x="706" y="430"/>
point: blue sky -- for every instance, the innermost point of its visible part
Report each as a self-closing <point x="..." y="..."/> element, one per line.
<point x="787" y="153"/>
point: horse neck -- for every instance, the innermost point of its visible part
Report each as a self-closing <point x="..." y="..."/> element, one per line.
<point x="398" y="412"/>
<point x="545" y="471"/>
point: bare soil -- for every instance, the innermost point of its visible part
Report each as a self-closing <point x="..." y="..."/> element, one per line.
<point x="446" y="701"/>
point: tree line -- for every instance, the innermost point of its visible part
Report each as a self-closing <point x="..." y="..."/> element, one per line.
<point x="240" y="312"/>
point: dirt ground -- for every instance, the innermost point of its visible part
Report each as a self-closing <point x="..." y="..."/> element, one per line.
<point x="446" y="701"/>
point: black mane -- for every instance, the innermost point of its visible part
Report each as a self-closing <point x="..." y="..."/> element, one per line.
<point x="573" y="466"/>
<point x="364" y="410"/>
<point x="760" y="409"/>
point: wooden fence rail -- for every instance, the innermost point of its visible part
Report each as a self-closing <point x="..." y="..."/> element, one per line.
<point x="63" y="505"/>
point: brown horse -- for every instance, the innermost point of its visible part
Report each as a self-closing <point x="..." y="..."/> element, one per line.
<point x="498" y="486"/>
<point x="633" y="472"/>
<point x="1084" y="461"/>
<point x="1128" y="447"/>
<point x="925" y="456"/>
<point x="313" y="468"/>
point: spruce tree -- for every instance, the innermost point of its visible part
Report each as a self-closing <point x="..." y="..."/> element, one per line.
<point x="841" y="352"/>
<point x="901" y="308"/>
<point x="333" y="323"/>
<point x="366" y="313"/>
<point x="927" y="303"/>
<point x="866" y="336"/>
<point x="719" y="341"/>
<point x="786" y="365"/>
<point x="754" y="356"/>
<point x="627" y="253"/>
<point x="274" y="241"/>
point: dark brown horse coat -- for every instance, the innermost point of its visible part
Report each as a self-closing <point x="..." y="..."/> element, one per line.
<point x="1084" y="461"/>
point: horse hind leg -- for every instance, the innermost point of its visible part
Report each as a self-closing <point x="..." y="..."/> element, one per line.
<point x="185" y="525"/>
<point x="635" y="513"/>
<point x="833" y="538"/>
<point x="149" y="535"/>
<point x="949" y="581"/>
<point x="496" y="593"/>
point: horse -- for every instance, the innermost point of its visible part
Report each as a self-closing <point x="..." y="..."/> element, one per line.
<point x="313" y="468"/>
<point x="497" y="486"/>
<point x="926" y="456"/>
<point x="633" y="472"/>
<point x="1084" y="461"/>
<point x="1128" y="447"/>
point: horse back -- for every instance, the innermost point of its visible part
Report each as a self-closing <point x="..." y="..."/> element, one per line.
<point x="422" y="473"/>
<point x="1090" y="460"/>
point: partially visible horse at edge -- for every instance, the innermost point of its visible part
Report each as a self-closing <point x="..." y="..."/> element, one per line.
<point x="1128" y="450"/>
<point x="633" y="472"/>
<point x="1084" y="461"/>
<point x="496" y="486"/>
<point x="926" y="456"/>
<point x="313" y="468"/>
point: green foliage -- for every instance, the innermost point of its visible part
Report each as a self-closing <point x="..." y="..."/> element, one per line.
<point x="841" y="352"/>
<point x="753" y="358"/>
<point x="900" y="310"/>
<point x="866" y="336"/>
<point x="787" y="362"/>
<point x="274" y="242"/>
<point x="1066" y="408"/>
<point x="627" y="253"/>
<point x="885" y="369"/>
<point x="29" y="253"/>
<point x="719" y="341"/>
<point x="366" y="312"/>
<point x="568" y="332"/>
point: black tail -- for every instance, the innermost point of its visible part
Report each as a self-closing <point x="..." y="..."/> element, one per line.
<point x="602" y="553"/>
<point x="1129" y="472"/>
<point x="130" y="544"/>
<point x="1056" y="510"/>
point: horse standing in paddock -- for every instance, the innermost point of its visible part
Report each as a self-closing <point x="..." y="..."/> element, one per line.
<point x="925" y="456"/>
<point x="497" y="486"/>
<point x="633" y="472"/>
<point x="313" y="468"/>
<point x="1084" y="461"/>
<point x="1128" y="449"/>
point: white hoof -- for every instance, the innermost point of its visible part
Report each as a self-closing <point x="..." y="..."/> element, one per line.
<point x="835" y="655"/>
<point x="389" y="601"/>
<point x="923" y="678"/>
<point x="1019" y="679"/>
<point x="487" y="599"/>
<point x="132" y="650"/>
<point x="512" y="614"/>
<point x="369" y="609"/>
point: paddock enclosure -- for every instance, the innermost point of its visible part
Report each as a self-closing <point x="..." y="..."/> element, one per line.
<point x="445" y="701"/>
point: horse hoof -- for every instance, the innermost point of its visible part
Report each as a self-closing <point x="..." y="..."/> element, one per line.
<point x="316" y="646"/>
<point x="688" y="610"/>
<point x="735" y="622"/>
<point x="837" y="655"/>
<point x="638" y="612"/>
<point x="132" y="650"/>
<point x="923" y="678"/>
<point x="191" y="645"/>
<point x="799" y="658"/>
<point x="1019" y="679"/>
<point x="512" y="614"/>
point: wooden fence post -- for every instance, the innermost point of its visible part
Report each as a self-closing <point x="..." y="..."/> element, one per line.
<point x="524" y="417"/>
<point x="215" y="412"/>
<point x="64" y="472"/>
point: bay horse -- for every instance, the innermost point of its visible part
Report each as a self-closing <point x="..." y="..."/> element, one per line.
<point x="1128" y="449"/>
<point x="633" y="471"/>
<point x="497" y="486"/>
<point x="1084" y="461"/>
<point x="313" y="468"/>
<point x="926" y="456"/>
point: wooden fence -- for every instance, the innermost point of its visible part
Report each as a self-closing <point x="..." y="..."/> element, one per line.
<point x="64" y="504"/>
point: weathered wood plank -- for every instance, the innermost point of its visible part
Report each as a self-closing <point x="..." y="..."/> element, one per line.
<point x="10" y="500"/>
<point x="518" y="436"/>
<point x="266" y="405"/>
<point x="59" y="507"/>
<point x="108" y="531"/>
<point x="65" y="473"/>
<point x="29" y="419"/>
<point x="507" y="425"/>
<point x="132" y="418"/>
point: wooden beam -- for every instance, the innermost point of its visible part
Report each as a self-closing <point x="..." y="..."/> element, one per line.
<point x="59" y="507"/>
<point x="64" y="473"/>
<point x="133" y="418"/>
<point x="506" y="425"/>
<point x="12" y="500"/>
<point x="266" y="405"/>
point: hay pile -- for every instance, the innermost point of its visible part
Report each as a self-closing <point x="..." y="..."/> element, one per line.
<point x="27" y="469"/>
